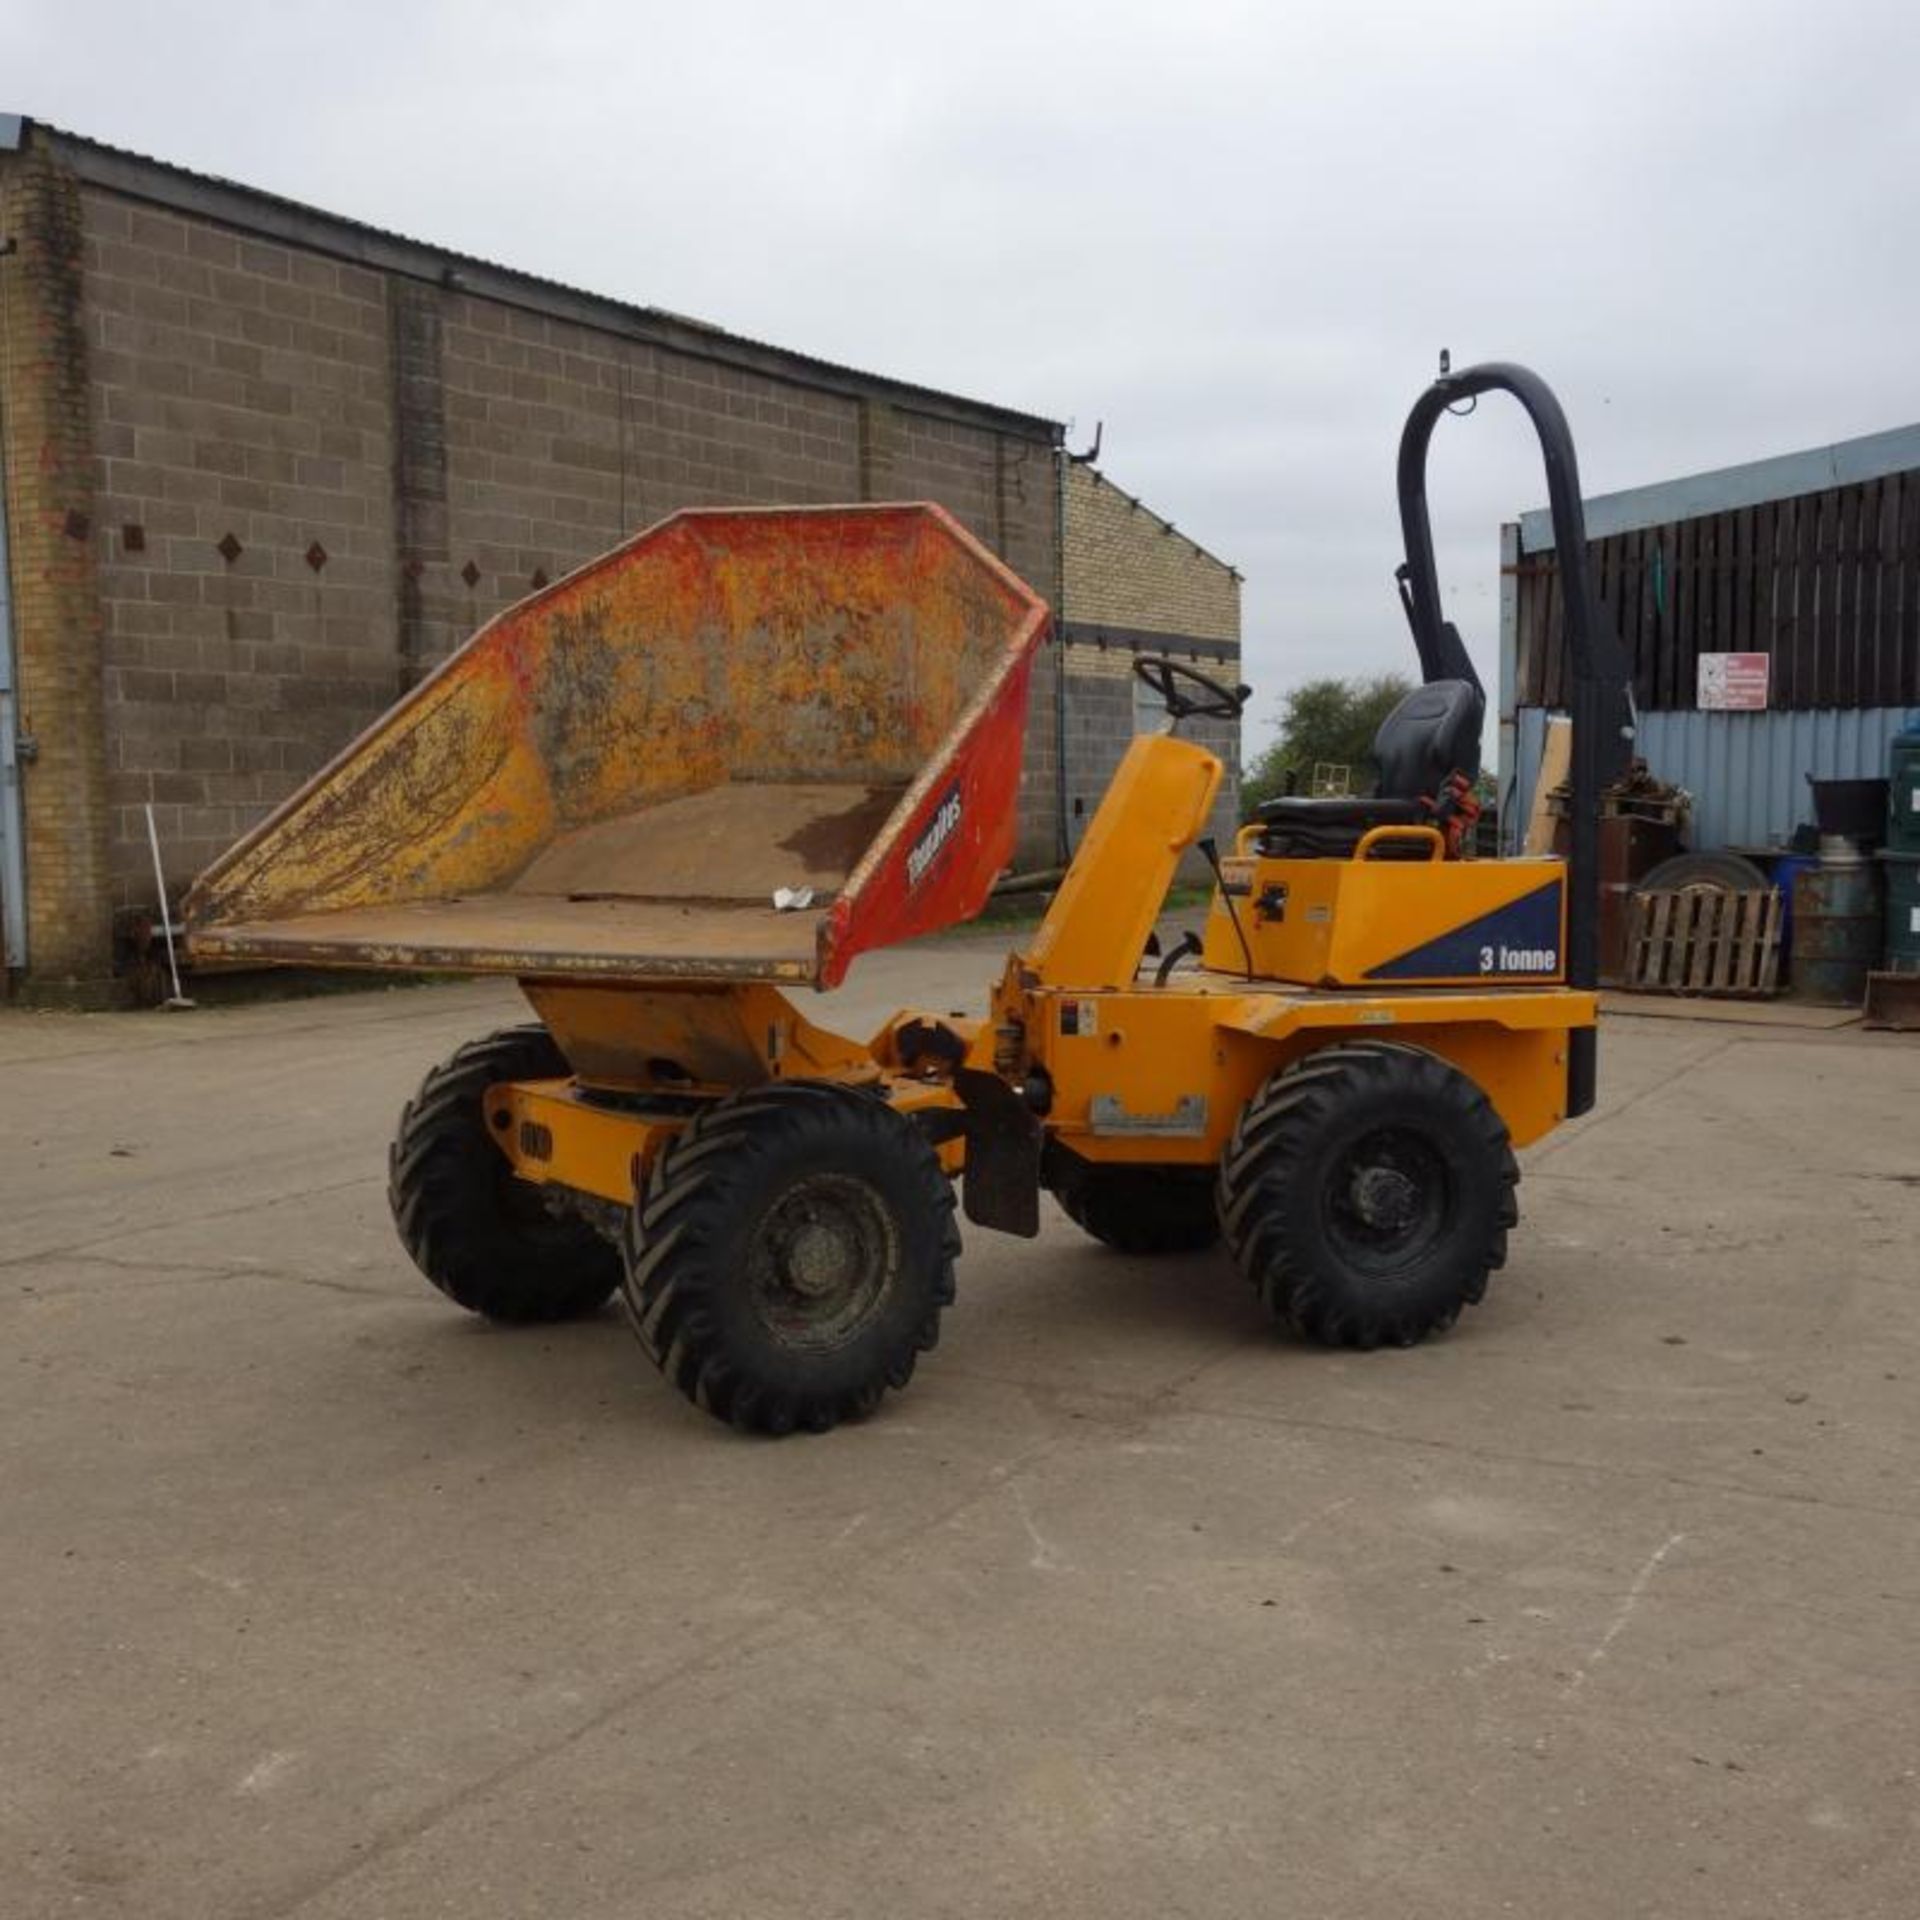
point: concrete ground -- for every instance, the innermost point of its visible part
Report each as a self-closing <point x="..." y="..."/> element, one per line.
<point x="321" y="1599"/>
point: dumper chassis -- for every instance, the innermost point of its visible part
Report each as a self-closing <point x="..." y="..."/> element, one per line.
<point x="1331" y="1077"/>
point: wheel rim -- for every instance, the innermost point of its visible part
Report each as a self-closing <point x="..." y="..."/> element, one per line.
<point x="821" y="1260"/>
<point x="1387" y="1200"/>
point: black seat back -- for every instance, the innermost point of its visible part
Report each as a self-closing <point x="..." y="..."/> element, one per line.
<point x="1433" y="732"/>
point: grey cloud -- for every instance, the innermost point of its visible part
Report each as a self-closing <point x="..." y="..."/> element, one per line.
<point x="1236" y="233"/>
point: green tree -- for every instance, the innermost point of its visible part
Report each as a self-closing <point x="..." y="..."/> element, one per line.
<point x="1329" y="722"/>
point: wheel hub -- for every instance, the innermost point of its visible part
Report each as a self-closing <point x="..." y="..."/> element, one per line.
<point x="1385" y="1199"/>
<point x="820" y="1261"/>
<point x="815" y="1258"/>
<point x="1388" y="1196"/>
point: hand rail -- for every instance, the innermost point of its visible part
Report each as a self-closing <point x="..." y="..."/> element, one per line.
<point x="1402" y="830"/>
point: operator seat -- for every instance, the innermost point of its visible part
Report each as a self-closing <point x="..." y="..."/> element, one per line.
<point x="1433" y="733"/>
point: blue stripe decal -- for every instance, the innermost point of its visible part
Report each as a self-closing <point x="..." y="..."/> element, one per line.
<point x="1520" y="941"/>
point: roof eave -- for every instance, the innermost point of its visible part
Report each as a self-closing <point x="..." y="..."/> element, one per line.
<point x="291" y="222"/>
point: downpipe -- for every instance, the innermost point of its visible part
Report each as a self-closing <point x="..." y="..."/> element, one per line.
<point x="13" y="749"/>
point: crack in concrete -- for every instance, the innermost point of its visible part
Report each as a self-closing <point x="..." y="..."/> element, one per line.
<point x="182" y="1275"/>
<point x="190" y="1276"/>
<point x="1636" y="1589"/>
<point x="191" y="1268"/>
<point x="84" y="1248"/>
<point x="1648" y="1477"/>
<point x="206" y="1034"/>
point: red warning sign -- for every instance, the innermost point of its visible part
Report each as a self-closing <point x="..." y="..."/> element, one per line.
<point x="1733" y="681"/>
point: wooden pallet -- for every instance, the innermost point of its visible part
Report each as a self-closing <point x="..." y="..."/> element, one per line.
<point x="1705" y="940"/>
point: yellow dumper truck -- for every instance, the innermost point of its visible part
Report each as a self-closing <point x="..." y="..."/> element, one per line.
<point x="670" y="793"/>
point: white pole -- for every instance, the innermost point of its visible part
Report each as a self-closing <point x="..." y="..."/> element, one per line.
<point x="166" y="916"/>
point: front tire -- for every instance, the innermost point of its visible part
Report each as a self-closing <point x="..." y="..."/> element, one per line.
<point x="483" y="1236"/>
<point x="1367" y="1194"/>
<point x="790" y="1256"/>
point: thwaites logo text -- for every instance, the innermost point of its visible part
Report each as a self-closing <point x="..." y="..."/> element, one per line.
<point x="934" y="836"/>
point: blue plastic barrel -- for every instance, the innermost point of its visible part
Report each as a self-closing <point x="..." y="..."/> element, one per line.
<point x="1782" y="868"/>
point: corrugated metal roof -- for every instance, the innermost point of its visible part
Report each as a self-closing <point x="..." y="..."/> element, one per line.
<point x="1752" y="484"/>
<point x="254" y="209"/>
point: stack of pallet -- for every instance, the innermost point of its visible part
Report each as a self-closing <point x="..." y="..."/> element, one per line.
<point x="1705" y="940"/>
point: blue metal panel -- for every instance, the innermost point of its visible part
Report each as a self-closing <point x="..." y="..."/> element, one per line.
<point x="1747" y="772"/>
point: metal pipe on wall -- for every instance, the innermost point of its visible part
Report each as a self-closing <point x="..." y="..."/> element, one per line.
<point x="13" y="825"/>
<point x="13" y="856"/>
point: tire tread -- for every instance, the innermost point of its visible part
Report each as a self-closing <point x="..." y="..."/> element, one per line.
<point x="681" y="1212"/>
<point x="1294" y="1275"/>
<point x="439" y="1188"/>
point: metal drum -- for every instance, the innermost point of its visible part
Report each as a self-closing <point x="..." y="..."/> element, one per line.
<point x="1903" y="911"/>
<point x="1837" y="924"/>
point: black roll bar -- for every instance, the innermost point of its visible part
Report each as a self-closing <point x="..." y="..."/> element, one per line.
<point x="1602" y="709"/>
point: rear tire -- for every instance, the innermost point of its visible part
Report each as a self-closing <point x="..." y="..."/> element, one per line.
<point x="790" y="1256"/>
<point x="1140" y="1209"/>
<point x="1367" y="1194"/>
<point x="486" y="1238"/>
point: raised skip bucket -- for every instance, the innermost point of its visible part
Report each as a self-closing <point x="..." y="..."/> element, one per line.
<point x="612" y="778"/>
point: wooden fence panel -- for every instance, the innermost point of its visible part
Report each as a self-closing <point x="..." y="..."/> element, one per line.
<point x="1826" y="584"/>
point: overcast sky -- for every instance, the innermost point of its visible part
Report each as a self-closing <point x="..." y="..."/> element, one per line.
<point x="1236" y="233"/>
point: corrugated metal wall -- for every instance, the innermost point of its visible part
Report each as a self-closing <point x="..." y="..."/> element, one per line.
<point x="1747" y="772"/>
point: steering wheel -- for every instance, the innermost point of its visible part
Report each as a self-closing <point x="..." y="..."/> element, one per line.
<point x="1163" y="675"/>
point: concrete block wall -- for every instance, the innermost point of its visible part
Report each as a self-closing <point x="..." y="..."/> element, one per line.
<point x="561" y="440"/>
<point x="1127" y="567"/>
<point x="265" y="471"/>
<point x="1104" y="713"/>
<point x="396" y="463"/>
<point x="243" y="454"/>
<point x="1134" y="585"/>
<point x="1008" y="492"/>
